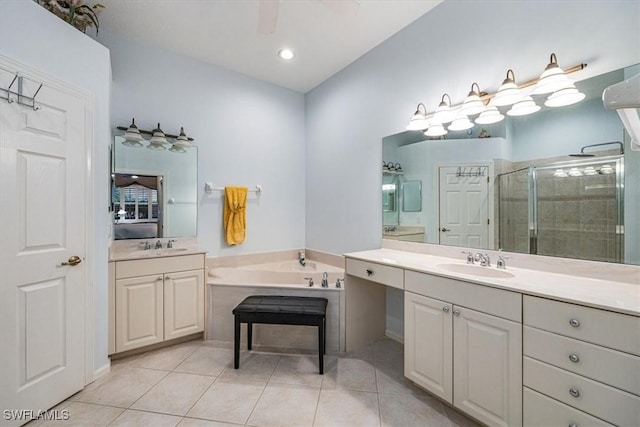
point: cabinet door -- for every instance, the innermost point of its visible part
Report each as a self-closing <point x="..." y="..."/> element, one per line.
<point x="183" y="303"/>
<point x="139" y="305"/>
<point x="488" y="367"/>
<point x="428" y="344"/>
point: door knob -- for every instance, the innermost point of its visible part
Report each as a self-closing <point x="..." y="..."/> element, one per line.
<point x="444" y="229"/>
<point x="74" y="260"/>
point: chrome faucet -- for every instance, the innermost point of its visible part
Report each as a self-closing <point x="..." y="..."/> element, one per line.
<point x="301" y="258"/>
<point x="484" y="259"/>
<point x="158" y="244"/>
<point x="310" y="279"/>
<point x="147" y="245"/>
<point x="170" y="243"/>
<point x="325" y="280"/>
<point x="339" y="282"/>
<point x="469" y="256"/>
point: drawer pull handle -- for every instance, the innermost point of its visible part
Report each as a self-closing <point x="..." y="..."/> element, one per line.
<point x="456" y="312"/>
<point x="574" y="322"/>
<point x="574" y="392"/>
<point x="369" y="272"/>
<point x="574" y="358"/>
<point x="445" y="309"/>
<point x="573" y="425"/>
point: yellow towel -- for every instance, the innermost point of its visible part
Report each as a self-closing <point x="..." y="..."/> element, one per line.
<point x="235" y="214"/>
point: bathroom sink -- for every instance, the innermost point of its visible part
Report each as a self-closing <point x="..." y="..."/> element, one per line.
<point x="159" y="252"/>
<point x="476" y="270"/>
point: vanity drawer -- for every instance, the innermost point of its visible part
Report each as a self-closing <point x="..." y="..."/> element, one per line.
<point x="542" y="411"/>
<point x="600" y="400"/>
<point x="144" y="267"/>
<point x="498" y="302"/>
<point x="614" y="330"/>
<point x="387" y="275"/>
<point x="598" y="363"/>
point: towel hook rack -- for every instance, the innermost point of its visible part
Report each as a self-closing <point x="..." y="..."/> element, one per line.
<point x="210" y="188"/>
<point x="19" y="96"/>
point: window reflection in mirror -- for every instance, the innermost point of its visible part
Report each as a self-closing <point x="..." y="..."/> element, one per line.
<point x="153" y="192"/>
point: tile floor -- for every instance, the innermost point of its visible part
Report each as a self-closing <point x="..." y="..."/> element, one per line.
<point x="194" y="384"/>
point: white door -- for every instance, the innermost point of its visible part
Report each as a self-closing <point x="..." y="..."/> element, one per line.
<point x="464" y="209"/>
<point x="42" y="225"/>
<point x="487" y="361"/>
<point x="428" y="344"/>
<point x="183" y="303"/>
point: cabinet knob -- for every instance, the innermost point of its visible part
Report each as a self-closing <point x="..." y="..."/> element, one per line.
<point x="369" y="272"/>
<point x="159" y="278"/>
<point x="445" y="309"/>
<point x="574" y="392"/>
<point x="574" y="358"/>
<point x="573" y="425"/>
<point x="574" y="322"/>
<point x="456" y="312"/>
<point x="167" y="277"/>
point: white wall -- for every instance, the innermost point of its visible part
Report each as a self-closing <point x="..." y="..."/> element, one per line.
<point x="455" y="44"/>
<point x="247" y="132"/>
<point x="37" y="38"/>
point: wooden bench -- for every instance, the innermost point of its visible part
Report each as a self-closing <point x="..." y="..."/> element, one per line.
<point x="280" y="310"/>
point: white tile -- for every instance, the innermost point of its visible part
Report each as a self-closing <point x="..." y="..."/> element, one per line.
<point x="302" y="370"/>
<point x="175" y="394"/>
<point x="207" y="360"/>
<point x="411" y="411"/>
<point x="131" y="418"/>
<point x="353" y="374"/>
<point x="285" y="405"/>
<point x="195" y="422"/>
<point x="169" y="357"/>
<point x="348" y="408"/>
<point x="253" y="367"/>
<point x="84" y="414"/>
<point x="390" y="379"/>
<point x="230" y="402"/>
<point x="122" y="388"/>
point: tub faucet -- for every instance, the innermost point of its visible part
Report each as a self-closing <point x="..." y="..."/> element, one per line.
<point x="301" y="258"/>
<point x="158" y="244"/>
<point x="325" y="280"/>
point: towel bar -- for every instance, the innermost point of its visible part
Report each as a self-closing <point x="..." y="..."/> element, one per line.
<point x="209" y="188"/>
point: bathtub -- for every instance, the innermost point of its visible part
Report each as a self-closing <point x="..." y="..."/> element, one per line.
<point x="228" y="286"/>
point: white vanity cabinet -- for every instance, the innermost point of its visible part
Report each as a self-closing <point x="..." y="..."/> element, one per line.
<point x="469" y="358"/>
<point x="155" y="300"/>
<point x="581" y="365"/>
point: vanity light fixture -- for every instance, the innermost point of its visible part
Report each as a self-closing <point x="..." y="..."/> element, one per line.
<point x="508" y="93"/>
<point x="606" y="170"/>
<point x="443" y="113"/>
<point x="489" y="116"/>
<point x="132" y="136"/>
<point x="419" y="120"/>
<point x="436" y="129"/>
<point x="590" y="170"/>
<point x="559" y="173"/>
<point x="286" y="54"/>
<point x="574" y="172"/>
<point x="461" y="122"/>
<point x="567" y="96"/>
<point x="472" y="103"/>
<point x="553" y="78"/>
<point x="158" y="139"/>
<point x="523" y="107"/>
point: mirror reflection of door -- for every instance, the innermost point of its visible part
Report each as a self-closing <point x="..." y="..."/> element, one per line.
<point x="464" y="206"/>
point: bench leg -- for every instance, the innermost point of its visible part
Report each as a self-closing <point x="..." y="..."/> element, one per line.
<point x="324" y="322"/>
<point x="321" y="349"/>
<point x="249" y="334"/>
<point x="236" y="343"/>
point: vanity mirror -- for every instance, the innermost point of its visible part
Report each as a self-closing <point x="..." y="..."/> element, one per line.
<point x="514" y="185"/>
<point x="153" y="192"/>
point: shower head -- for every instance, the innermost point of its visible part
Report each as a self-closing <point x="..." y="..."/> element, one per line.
<point x="583" y="154"/>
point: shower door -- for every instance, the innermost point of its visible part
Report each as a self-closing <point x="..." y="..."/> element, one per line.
<point x="576" y="209"/>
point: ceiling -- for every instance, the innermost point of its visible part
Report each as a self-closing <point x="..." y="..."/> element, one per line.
<point x="245" y="35"/>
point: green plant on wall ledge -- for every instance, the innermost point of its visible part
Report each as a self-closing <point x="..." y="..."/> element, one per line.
<point x="75" y="12"/>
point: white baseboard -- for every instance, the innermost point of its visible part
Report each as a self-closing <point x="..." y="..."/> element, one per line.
<point x="102" y="371"/>
<point x="394" y="336"/>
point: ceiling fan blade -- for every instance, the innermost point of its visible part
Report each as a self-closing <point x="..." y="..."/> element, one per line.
<point x="268" y="16"/>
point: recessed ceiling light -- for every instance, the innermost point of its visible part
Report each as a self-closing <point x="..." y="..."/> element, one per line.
<point x="286" y="54"/>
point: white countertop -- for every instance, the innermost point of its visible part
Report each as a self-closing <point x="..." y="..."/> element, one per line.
<point x="153" y="253"/>
<point x="605" y="294"/>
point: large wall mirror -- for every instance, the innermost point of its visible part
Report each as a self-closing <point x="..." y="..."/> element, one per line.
<point x="515" y="186"/>
<point x="153" y="192"/>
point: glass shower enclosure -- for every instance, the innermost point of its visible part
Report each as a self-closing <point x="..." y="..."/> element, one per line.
<point x="569" y="209"/>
